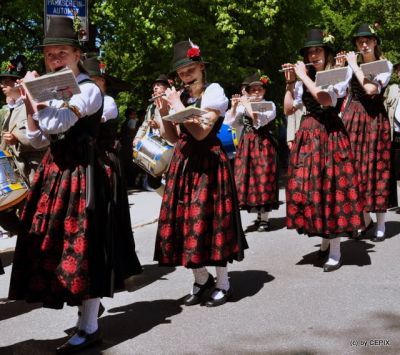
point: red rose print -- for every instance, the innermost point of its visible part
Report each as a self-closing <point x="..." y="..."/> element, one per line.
<point x="71" y="225"/>
<point x="355" y="221"/>
<point x="199" y="227"/>
<point x="191" y="243"/>
<point x="203" y="195"/>
<point x="166" y="231"/>
<point x="292" y="210"/>
<point x="194" y="211"/>
<point x="228" y="206"/>
<point x="80" y="245"/>
<point x="299" y="221"/>
<point x="163" y="214"/>
<point x="219" y="239"/>
<point x="353" y="195"/>
<point x="342" y="182"/>
<point x="318" y="223"/>
<point x="69" y="265"/>
<point x="316" y="197"/>
<point x="339" y="196"/>
<point x="342" y="222"/>
<point x="292" y="184"/>
<point x="78" y="285"/>
<point x="297" y="197"/>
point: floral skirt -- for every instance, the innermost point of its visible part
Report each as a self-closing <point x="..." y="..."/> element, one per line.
<point x="199" y="221"/>
<point x="322" y="194"/>
<point x="369" y="132"/>
<point x="256" y="172"/>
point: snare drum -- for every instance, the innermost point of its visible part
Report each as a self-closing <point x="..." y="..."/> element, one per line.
<point x="13" y="188"/>
<point x="229" y="140"/>
<point x="153" y="154"/>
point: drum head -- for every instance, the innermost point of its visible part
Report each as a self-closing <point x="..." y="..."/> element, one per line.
<point x="12" y="198"/>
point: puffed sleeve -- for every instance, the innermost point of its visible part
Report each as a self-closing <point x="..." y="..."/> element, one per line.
<point x="214" y="99"/>
<point x="57" y="118"/>
<point x="382" y="79"/>
<point x="37" y="138"/>
<point x="110" y="109"/>
<point x="234" y="120"/>
<point x="340" y="89"/>
<point x="298" y="93"/>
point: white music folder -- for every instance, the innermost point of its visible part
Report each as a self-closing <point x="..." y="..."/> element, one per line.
<point x="329" y="77"/>
<point x="372" y="69"/>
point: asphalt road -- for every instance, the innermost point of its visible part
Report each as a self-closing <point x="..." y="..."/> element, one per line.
<point x="283" y="302"/>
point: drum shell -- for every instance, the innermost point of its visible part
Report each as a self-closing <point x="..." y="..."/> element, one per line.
<point x="153" y="154"/>
<point x="13" y="188"/>
<point x="229" y="140"/>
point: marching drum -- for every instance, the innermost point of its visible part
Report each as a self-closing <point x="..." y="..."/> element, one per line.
<point x="13" y="188"/>
<point x="229" y="140"/>
<point x="153" y="154"/>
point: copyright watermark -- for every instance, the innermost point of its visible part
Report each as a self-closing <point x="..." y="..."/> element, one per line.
<point x="370" y="342"/>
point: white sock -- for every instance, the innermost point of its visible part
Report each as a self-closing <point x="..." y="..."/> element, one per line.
<point x="334" y="251"/>
<point x="380" y="224"/>
<point x="264" y="216"/>
<point x="222" y="278"/>
<point x="325" y="244"/>
<point x="367" y="218"/>
<point x="78" y="322"/>
<point x="200" y="277"/>
<point x="90" y="310"/>
<point x="222" y="282"/>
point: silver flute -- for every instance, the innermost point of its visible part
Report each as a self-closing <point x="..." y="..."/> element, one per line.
<point x="307" y="65"/>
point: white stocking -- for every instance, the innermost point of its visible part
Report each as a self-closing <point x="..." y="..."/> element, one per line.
<point x="334" y="251"/>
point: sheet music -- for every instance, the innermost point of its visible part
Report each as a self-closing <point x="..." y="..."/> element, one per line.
<point x="54" y="86"/>
<point x="330" y="77"/>
<point x="371" y="70"/>
<point x="183" y="115"/>
<point x="261" y="106"/>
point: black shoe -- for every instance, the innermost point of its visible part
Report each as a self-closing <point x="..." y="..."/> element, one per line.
<point x="90" y="339"/>
<point x="215" y="303"/>
<point x="196" y="298"/>
<point x="363" y="233"/>
<point x="263" y="226"/>
<point x="322" y="254"/>
<point x="329" y="268"/>
<point x="377" y="239"/>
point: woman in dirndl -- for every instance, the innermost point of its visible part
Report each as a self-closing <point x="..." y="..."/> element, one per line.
<point x="69" y="250"/>
<point x="367" y="123"/>
<point x="322" y="194"/>
<point x="256" y="171"/>
<point x="199" y="223"/>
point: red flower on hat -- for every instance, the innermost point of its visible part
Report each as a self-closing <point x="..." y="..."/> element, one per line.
<point x="102" y="67"/>
<point x="10" y="67"/>
<point x="193" y="52"/>
<point x="265" y="79"/>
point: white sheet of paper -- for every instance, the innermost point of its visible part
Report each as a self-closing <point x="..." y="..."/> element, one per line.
<point x="372" y="69"/>
<point x="183" y="115"/>
<point x="330" y="77"/>
<point x="53" y="86"/>
<point x="261" y="106"/>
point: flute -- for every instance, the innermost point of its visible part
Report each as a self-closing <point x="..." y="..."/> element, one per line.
<point x="343" y="55"/>
<point x="307" y="65"/>
<point x="181" y="88"/>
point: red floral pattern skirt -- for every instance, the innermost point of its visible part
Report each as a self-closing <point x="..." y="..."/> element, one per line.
<point x="322" y="194"/>
<point x="51" y="256"/>
<point x="256" y="173"/>
<point x="370" y="141"/>
<point x="199" y="221"/>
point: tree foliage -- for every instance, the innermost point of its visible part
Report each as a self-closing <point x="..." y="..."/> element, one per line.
<point x="236" y="37"/>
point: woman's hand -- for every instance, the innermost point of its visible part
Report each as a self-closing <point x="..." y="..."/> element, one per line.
<point x="9" y="138"/>
<point x="340" y="61"/>
<point x="351" y="58"/>
<point x="290" y="75"/>
<point x="300" y="70"/>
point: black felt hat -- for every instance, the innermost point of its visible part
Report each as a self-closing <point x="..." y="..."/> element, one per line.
<point x="365" y="30"/>
<point x="163" y="79"/>
<point x="94" y="67"/>
<point x="61" y="32"/>
<point x="256" y="79"/>
<point x="15" y="68"/>
<point x="316" y="38"/>
<point x="185" y="53"/>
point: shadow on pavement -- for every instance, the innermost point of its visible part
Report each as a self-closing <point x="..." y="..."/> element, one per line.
<point x="10" y="309"/>
<point x="354" y="252"/>
<point x="151" y="273"/>
<point x="7" y="257"/>
<point x="247" y="283"/>
<point x="275" y="224"/>
<point x="128" y="322"/>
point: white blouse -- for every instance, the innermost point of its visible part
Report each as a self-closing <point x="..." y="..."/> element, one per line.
<point x="335" y="91"/>
<point x="214" y="99"/>
<point x="56" y="119"/>
<point x="263" y="118"/>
